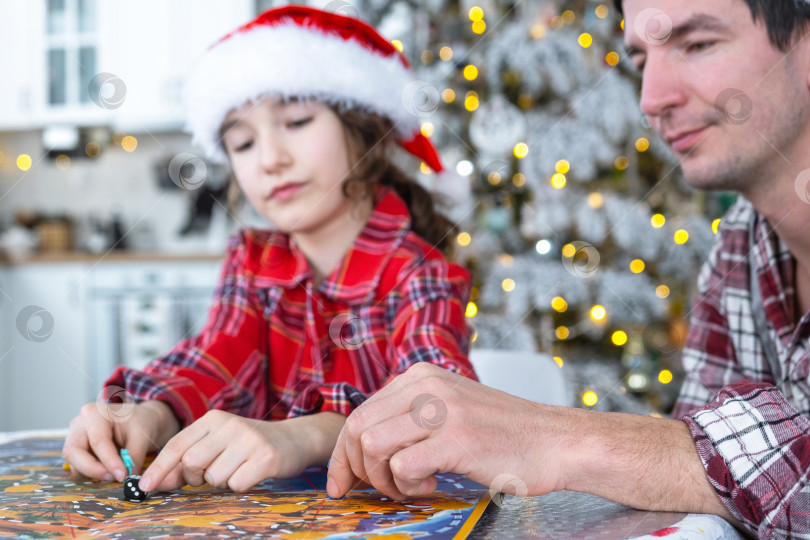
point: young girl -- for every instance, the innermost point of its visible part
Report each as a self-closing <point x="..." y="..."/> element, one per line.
<point x="310" y="320"/>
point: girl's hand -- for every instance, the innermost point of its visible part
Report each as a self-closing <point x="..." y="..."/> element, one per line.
<point x="223" y="449"/>
<point x="95" y="435"/>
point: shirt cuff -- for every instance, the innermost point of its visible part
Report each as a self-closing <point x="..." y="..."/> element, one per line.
<point x="751" y="441"/>
<point x="181" y="395"/>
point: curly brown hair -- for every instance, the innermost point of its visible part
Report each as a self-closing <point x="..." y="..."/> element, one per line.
<point x="369" y="140"/>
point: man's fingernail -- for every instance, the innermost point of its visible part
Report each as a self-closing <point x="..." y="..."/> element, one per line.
<point x="119" y="475"/>
<point x="107" y="477"/>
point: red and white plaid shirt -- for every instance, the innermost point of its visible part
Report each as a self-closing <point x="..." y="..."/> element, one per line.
<point x="276" y="346"/>
<point x="752" y="431"/>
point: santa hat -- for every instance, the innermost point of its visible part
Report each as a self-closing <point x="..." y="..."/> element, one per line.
<point x="298" y="51"/>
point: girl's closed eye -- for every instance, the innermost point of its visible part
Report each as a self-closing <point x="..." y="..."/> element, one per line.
<point x="242" y="146"/>
<point x="301" y="122"/>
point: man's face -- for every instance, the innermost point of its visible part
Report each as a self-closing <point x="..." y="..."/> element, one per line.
<point x="730" y="105"/>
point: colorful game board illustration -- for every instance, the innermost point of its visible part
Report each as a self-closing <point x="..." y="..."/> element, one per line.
<point x="39" y="499"/>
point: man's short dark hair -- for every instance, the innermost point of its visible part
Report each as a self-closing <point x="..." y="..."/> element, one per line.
<point x="783" y="18"/>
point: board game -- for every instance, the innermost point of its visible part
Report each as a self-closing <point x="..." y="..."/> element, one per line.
<point x="39" y="499"/>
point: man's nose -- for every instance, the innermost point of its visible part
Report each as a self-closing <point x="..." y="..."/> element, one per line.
<point x="662" y="87"/>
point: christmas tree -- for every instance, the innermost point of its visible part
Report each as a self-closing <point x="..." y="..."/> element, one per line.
<point x="584" y="241"/>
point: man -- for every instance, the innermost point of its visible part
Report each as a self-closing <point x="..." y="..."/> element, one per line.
<point x="727" y="85"/>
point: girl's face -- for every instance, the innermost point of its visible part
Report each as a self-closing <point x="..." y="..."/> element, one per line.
<point x="290" y="159"/>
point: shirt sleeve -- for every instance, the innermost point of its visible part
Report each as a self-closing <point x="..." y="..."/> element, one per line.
<point x="428" y="325"/>
<point x="709" y="357"/>
<point x="756" y="449"/>
<point x="222" y="367"/>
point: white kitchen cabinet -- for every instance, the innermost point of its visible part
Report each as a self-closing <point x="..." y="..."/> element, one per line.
<point x="96" y="315"/>
<point x="149" y="46"/>
<point x="47" y="376"/>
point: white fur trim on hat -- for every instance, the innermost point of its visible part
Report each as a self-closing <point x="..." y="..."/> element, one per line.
<point x="288" y="60"/>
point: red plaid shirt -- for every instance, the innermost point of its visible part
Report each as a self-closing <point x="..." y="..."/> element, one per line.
<point x="276" y="346"/>
<point x="751" y="427"/>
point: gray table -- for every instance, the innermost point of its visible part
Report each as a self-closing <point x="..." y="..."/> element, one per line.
<point x="568" y="514"/>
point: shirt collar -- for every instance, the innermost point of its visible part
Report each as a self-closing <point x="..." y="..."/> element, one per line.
<point x="282" y="263"/>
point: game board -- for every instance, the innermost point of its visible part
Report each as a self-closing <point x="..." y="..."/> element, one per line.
<point x="38" y="499"/>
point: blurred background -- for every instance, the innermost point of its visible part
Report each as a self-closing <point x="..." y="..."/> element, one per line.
<point x="584" y="245"/>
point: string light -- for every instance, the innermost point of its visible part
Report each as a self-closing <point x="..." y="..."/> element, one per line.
<point x="612" y="58"/>
<point x="475" y="13"/>
<point x="24" y="162"/>
<point x="427" y="57"/>
<point x="562" y="166"/>
<point x="621" y="163"/>
<point x="398" y="44"/>
<point x="568" y="17"/>
<point x="63" y="161"/>
<point x="598" y="312"/>
<point x="681" y="236"/>
<point x="657" y="221"/>
<point x="642" y="144"/>
<point x="464" y="238"/>
<point x="662" y="291"/>
<point x="506" y="260"/>
<point x="494" y="178"/>
<point x="585" y="40"/>
<point x="601" y="11"/>
<point x="637" y="266"/>
<point x="521" y="150"/>
<point x="637" y="381"/>
<point x="519" y="180"/>
<point x="538" y="31"/>
<point x="92" y="149"/>
<point x="595" y="200"/>
<point x="471" y="101"/>
<point x="508" y="285"/>
<point x="559" y="304"/>
<point x="590" y="398"/>
<point x="472" y="310"/>
<point x="558" y="181"/>
<point x="562" y="332"/>
<point x="479" y="27"/>
<point x="559" y="361"/>
<point x="543" y="247"/>
<point x="423" y="168"/>
<point x="465" y="167"/>
<point x="715" y="225"/>
<point x="619" y="338"/>
<point x="665" y="376"/>
<point x="470" y="72"/>
<point x="448" y="95"/>
<point x="568" y="250"/>
<point x="129" y="143"/>
<point x="446" y="53"/>
<point x="428" y="129"/>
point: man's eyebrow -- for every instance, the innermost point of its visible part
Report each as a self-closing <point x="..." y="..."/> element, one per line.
<point x="698" y="21"/>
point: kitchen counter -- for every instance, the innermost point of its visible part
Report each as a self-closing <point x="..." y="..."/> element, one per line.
<point x="112" y="256"/>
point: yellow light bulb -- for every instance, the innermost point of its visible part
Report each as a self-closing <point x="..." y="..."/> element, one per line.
<point x="568" y="250"/>
<point x="662" y="291"/>
<point x="657" y="221"/>
<point x="472" y="310"/>
<point x="129" y="143"/>
<point x="521" y="150"/>
<point x="585" y="40"/>
<point x="24" y="162"/>
<point x="595" y="200"/>
<point x="562" y="332"/>
<point x="558" y="181"/>
<point x="681" y="236"/>
<point x="559" y="304"/>
<point x="598" y="312"/>
<point x="479" y="27"/>
<point x="508" y="285"/>
<point x="619" y="338"/>
<point x="448" y="95"/>
<point x="471" y="103"/>
<point x="559" y="361"/>
<point x="562" y="166"/>
<point x="665" y="376"/>
<point x="715" y="225"/>
<point x="475" y="13"/>
<point x="470" y="72"/>
<point x="464" y="238"/>
<point x="637" y="266"/>
<point x="446" y="53"/>
<point x="612" y="58"/>
<point x="601" y="11"/>
<point x="590" y="398"/>
<point x="428" y="129"/>
<point x="398" y="44"/>
<point x="642" y="144"/>
<point x="621" y="163"/>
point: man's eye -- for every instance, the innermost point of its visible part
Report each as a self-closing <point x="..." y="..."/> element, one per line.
<point x="699" y="46"/>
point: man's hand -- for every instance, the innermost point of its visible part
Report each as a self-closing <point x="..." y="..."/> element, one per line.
<point x="95" y="435"/>
<point x="223" y="449"/>
<point x="429" y="420"/>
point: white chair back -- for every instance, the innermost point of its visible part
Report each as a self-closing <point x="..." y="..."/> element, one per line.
<point x="533" y="376"/>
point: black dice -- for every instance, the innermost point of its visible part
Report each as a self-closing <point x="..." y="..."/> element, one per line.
<point x="132" y="491"/>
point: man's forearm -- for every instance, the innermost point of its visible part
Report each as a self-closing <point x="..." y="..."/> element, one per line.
<point x="640" y="461"/>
